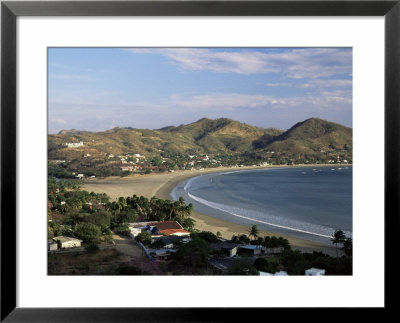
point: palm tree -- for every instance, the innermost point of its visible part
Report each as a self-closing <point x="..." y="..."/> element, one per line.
<point x="253" y="232"/>
<point x="338" y="237"/>
<point x="348" y="247"/>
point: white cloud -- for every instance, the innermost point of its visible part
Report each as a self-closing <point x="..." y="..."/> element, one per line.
<point x="279" y="84"/>
<point x="293" y="63"/>
<point x="176" y="109"/>
<point x="58" y="121"/>
<point x="232" y="101"/>
<point x="224" y="101"/>
<point x="318" y="83"/>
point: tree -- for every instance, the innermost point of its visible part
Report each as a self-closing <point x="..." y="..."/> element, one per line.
<point x="338" y="237"/>
<point x="270" y="265"/>
<point x="258" y="241"/>
<point x="253" y="232"/>
<point x="127" y="217"/>
<point x="122" y="228"/>
<point x="242" y="238"/>
<point x="156" y="161"/>
<point x="99" y="218"/>
<point x="144" y="237"/>
<point x="188" y="224"/>
<point x="206" y="236"/>
<point x="74" y="218"/>
<point x="193" y="254"/>
<point x="88" y="232"/>
<point x="180" y="211"/>
<point x="348" y="247"/>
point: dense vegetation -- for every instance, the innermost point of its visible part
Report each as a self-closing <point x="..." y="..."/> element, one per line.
<point x="92" y="217"/>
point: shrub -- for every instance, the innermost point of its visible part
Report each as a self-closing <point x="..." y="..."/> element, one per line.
<point x="144" y="237"/>
<point x="123" y="229"/>
<point x="88" y="232"/>
<point x="206" y="236"/>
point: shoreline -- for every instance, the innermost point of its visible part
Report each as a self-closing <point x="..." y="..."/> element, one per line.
<point x="160" y="185"/>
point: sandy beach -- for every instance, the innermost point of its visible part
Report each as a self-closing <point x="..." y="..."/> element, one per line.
<point x="160" y="185"/>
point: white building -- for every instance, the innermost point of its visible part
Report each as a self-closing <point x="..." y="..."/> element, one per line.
<point x="315" y="272"/>
<point x="137" y="228"/>
<point x="67" y="242"/>
<point x="74" y="144"/>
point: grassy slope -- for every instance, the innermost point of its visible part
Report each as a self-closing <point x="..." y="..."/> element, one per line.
<point x="222" y="135"/>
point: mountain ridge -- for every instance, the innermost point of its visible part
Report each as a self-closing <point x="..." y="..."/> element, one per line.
<point x="311" y="139"/>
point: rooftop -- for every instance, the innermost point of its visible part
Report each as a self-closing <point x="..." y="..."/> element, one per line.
<point x="169" y="232"/>
<point x="66" y="239"/>
<point x="224" y="245"/>
<point x="164" y="225"/>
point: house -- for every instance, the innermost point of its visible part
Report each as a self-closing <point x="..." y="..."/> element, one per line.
<point x="158" y="229"/>
<point x="162" y="254"/>
<point x="67" y="242"/>
<point x="137" y="228"/>
<point x="74" y="144"/>
<point x="250" y="250"/>
<point x="230" y="249"/>
<point x="221" y="265"/>
<point x="167" y="228"/>
<point x="315" y="272"/>
<point x="170" y="241"/>
<point x="175" y="232"/>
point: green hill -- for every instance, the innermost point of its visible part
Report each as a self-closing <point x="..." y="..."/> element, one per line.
<point x="308" y="141"/>
<point x="311" y="139"/>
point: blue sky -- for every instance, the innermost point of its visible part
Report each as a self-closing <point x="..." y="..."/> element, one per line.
<point x="97" y="89"/>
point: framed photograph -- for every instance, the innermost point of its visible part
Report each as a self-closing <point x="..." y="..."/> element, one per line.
<point x="130" y="131"/>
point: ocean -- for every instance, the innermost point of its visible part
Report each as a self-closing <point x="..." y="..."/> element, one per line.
<point x="305" y="202"/>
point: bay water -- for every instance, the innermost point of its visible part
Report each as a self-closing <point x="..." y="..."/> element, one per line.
<point x="305" y="202"/>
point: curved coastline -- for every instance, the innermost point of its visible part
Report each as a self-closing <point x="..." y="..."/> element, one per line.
<point x="161" y="186"/>
<point x="217" y="202"/>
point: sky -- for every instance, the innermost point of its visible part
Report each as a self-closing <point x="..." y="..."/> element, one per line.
<point x="97" y="89"/>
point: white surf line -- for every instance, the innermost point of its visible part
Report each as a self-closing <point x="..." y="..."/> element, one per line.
<point x="247" y="218"/>
<point x="249" y="170"/>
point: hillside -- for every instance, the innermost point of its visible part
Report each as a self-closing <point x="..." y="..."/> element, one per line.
<point x="311" y="139"/>
<point x="204" y="136"/>
<point x="225" y="140"/>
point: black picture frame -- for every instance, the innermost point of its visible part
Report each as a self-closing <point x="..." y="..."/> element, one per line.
<point x="11" y="10"/>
